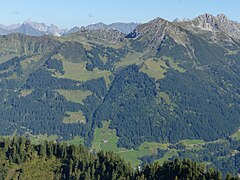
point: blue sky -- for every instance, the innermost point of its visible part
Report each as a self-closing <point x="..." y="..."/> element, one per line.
<point x="69" y="13"/>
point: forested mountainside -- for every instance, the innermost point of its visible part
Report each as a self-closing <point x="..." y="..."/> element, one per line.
<point x="164" y="84"/>
<point x="22" y="160"/>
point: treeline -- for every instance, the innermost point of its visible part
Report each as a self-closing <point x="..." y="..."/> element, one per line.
<point x="77" y="162"/>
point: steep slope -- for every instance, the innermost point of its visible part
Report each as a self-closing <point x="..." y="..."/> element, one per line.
<point x="217" y="23"/>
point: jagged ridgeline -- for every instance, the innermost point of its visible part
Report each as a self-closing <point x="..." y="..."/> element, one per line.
<point x="19" y="159"/>
<point x="164" y="83"/>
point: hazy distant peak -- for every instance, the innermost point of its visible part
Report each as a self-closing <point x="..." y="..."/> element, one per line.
<point x="99" y="25"/>
<point x="158" y="20"/>
<point x="177" y="20"/>
<point x="32" y="28"/>
<point x="27" y="21"/>
<point x="119" y="26"/>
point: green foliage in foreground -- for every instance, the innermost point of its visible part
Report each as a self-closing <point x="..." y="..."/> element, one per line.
<point x="19" y="159"/>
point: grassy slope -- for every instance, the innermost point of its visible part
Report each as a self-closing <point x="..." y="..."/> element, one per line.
<point x="106" y="139"/>
<point x="75" y="117"/>
<point x="236" y="136"/>
<point x="76" y="141"/>
<point x="131" y="58"/>
<point x="156" y="68"/>
<point x="42" y="137"/>
<point x="76" y="96"/>
<point x="78" y="72"/>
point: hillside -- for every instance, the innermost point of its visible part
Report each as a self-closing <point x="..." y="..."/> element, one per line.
<point x="171" y="85"/>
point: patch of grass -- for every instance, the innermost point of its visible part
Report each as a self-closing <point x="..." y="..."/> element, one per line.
<point x="236" y="136"/>
<point x="131" y="156"/>
<point x="153" y="146"/>
<point x="106" y="139"/>
<point x="78" y="72"/>
<point x="154" y="68"/>
<point x="13" y="76"/>
<point x="38" y="139"/>
<point x="27" y="63"/>
<point x="145" y="149"/>
<point x="75" y="117"/>
<point x="165" y="97"/>
<point x="25" y="92"/>
<point x="167" y="156"/>
<point x="76" y="140"/>
<point x="76" y="96"/>
<point x="131" y="58"/>
<point x="174" y="65"/>
<point x="104" y="58"/>
<point x="191" y="142"/>
<point x="100" y="38"/>
<point x="6" y="57"/>
<point x="231" y="52"/>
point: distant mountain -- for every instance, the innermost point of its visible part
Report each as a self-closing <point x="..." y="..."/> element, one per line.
<point x="181" y="20"/>
<point x="99" y="25"/>
<point x="73" y="30"/>
<point x="119" y="26"/>
<point x="208" y="22"/>
<point x="40" y="29"/>
<point x="6" y="29"/>
<point x="32" y="28"/>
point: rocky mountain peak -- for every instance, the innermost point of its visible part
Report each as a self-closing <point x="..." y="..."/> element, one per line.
<point x="28" y="21"/>
<point x="99" y="25"/>
<point x="220" y="22"/>
<point x="154" y="32"/>
<point x="222" y="16"/>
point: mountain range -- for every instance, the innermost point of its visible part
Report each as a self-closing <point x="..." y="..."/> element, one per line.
<point x="40" y="29"/>
<point x="165" y="90"/>
<point x="205" y="22"/>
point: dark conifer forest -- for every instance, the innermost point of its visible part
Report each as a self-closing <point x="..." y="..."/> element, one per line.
<point x="20" y="159"/>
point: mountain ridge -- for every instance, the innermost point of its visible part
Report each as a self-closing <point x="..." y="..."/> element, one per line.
<point x="204" y="22"/>
<point x="32" y="28"/>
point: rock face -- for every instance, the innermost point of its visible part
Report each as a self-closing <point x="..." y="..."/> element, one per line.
<point x="151" y="35"/>
<point x="208" y="22"/>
